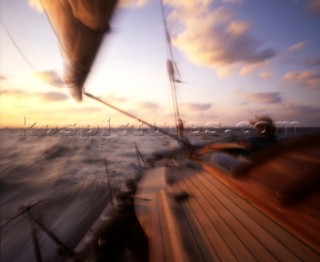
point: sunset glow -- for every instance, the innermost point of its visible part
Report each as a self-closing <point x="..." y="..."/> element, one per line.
<point x="237" y="59"/>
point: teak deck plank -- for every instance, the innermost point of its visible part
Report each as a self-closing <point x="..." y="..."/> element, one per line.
<point x="302" y="219"/>
<point x="254" y="237"/>
<point x="173" y="236"/>
<point x="213" y="223"/>
<point x="263" y="237"/>
<point x="197" y="246"/>
<point x="156" y="244"/>
<point x="194" y="245"/>
<point x="229" y="228"/>
<point x="203" y="226"/>
<point x="283" y="236"/>
<point x="285" y="171"/>
<point x="233" y="231"/>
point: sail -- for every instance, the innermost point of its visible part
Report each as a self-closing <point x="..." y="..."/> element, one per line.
<point x="80" y="26"/>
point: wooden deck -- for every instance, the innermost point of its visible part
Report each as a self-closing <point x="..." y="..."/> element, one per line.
<point x="201" y="216"/>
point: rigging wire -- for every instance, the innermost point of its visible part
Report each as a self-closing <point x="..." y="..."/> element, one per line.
<point x="135" y="117"/>
<point x="171" y="66"/>
<point x="172" y="80"/>
<point x="168" y="38"/>
<point x="16" y="45"/>
<point x="23" y="209"/>
<point x="27" y="61"/>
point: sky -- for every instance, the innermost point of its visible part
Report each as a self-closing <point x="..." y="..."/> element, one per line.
<point x="237" y="59"/>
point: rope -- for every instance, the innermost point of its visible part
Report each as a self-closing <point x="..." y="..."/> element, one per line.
<point x="139" y="156"/>
<point x="109" y="182"/>
<point x="134" y="117"/>
<point x="35" y="240"/>
<point x="24" y="209"/>
<point x="55" y="239"/>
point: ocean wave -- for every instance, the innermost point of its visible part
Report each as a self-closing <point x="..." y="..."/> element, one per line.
<point x="55" y="151"/>
<point x="66" y="180"/>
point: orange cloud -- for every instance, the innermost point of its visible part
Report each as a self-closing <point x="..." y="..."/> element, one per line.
<point x="115" y="99"/>
<point x="297" y="46"/>
<point x="36" y="4"/>
<point x="238" y="28"/>
<point x="148" y="106"/>
<point x="195" y="106"/>
<point x="232" y="1"/>
<point x="314" y="7"/>
<point x="247" y="69"/>
<point x="262" y="98"/>
<point x="313" y="61"/>
<point x="304" y="114"/>
<point x="214" y="38"/>
<point x="308" y="80"/>
<point x="50" y="77"/>
<point x="13" y="92"/>
<point x="53" y="97"/>
<point x="48" y="96"/>
<point x="265" y="75"/>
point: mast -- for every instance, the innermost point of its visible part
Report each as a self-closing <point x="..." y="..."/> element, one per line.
<point x="173" y="72"/>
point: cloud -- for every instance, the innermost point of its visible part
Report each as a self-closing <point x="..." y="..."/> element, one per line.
<point x="262" y="98"/>
<point x="250" y="68"/>
<point x="301" y="109"/>
<point x="304" y="114"/>
<point x="232" y="1"/>
<point x="214" y="37"/>
<point x="313" y="61"/>
<point x="313" y="7"/>
<point x="13" y="92"/>
<point x="36" y="5"/>
<point x="84" y="110"/>
<point x="307" y="80"/>
<point x="114" y="99"/>
<point x="298" y="46"/>
<point x="47" y="97"/>
<point x="265" y="75"/>
<point x="147" y="106"/>
<point x="53" y="96"/>
<point x="50" y="77"/>
<point x="194" y="107"/>
<point x="238" y="28"/>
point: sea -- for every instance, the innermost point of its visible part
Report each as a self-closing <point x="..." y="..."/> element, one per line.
<point x="62" y="180"/>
